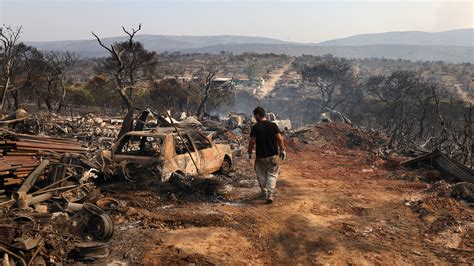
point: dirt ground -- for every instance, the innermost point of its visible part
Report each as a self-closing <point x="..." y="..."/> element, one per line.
<point x="334" y="205"/>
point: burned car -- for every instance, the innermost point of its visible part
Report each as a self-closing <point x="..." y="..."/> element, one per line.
<point x="165" y="153"/>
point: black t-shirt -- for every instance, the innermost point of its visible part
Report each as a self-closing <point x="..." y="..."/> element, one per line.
<point x="265" y="134"/>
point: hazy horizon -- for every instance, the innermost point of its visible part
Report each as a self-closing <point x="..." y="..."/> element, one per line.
<point x="296" y="21"/>
<point x="212" y="35"/>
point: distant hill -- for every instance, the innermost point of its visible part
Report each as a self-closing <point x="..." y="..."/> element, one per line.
<point x="451" y="46"/>
<point x="159" y="43"/>
<point x="454" y="54"/>
<point x="462" y="37"/>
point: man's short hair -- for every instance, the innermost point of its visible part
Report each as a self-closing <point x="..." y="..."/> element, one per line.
<point x="259" y="111"/>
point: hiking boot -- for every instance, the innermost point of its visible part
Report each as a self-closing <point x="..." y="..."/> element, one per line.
<point x="270" y="198"/>
<point x="263" y="195"/>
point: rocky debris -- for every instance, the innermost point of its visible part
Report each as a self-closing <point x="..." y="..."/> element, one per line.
<point x="337" y="135"/>
<point x="463" y="191"/>
<point x="441" y="188"/>
<point x="445" y="222"/>
<point x="332" y="116"/>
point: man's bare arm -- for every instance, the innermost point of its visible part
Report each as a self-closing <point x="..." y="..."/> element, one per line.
<point x="252" y="142"/>
<point x="280" y="141"/>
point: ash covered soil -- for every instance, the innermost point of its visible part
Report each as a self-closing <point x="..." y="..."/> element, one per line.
<point x="337" y="202"/>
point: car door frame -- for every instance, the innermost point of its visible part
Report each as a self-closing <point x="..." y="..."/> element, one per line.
<point x="210" y="161"/>
<point x="183" y="161"/>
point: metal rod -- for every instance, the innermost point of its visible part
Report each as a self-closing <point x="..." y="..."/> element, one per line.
<point x="13" y="254"/>
<point x="53" y="184"/>
<point x="7" y="202"/>
<point x="40" y="246"/>
<point x="54" y="189"/>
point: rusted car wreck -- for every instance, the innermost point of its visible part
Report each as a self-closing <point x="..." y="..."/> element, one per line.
<point x="165" y="152"/>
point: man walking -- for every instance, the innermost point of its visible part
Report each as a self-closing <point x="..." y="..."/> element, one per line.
<point x="267" y="138"/>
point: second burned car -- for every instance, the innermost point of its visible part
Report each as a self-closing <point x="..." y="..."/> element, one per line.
<point x="165" y="152"/>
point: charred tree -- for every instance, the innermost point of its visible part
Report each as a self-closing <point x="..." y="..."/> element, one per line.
<point x="58" y="65"/>
<point x="210" y="89"/>
<point x="332" y="78"/>
<point x="127" y="64"/>
<point x="8" y="38"/>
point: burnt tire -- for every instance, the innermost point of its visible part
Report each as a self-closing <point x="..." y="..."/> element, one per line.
<point x="226" y="166"/>
<point x="128" y="170"/>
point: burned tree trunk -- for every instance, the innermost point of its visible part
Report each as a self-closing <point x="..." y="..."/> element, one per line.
<point x="8" y="39"/>
<point x="210" y="90"/>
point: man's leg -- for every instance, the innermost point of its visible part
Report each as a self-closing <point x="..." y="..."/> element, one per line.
<point x="261" y="176"/>
<point x="272" y="175"/>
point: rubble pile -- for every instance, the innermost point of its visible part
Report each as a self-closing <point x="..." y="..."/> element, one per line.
<point x="87" y="127"/>
<point x="336" y="135"/>
<point x="446" y="223"/>
<point x="48" y="202"/>
<point x="461" y="190"/>
<point x="21" y="154"/>
<point x="219" y="135"/>
<point x="49" y="199"/>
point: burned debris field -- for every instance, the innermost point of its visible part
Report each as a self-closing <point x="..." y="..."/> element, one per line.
<point x="141" y="157"/>
<point x="338" y="200"/>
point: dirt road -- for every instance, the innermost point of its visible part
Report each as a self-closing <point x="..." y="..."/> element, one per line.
<point x="334" y="205"/>
<point x="464" y="94"/>
<point x="270" y="83"/>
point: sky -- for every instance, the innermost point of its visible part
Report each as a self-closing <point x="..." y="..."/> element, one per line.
<point x="298" y="21"/>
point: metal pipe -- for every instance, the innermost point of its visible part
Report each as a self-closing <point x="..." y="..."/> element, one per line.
<point x="30" y="180"/>
<point x="39" y="198"/>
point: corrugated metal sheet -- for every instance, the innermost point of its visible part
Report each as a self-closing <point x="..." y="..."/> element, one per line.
<point x="445" y="165"/>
